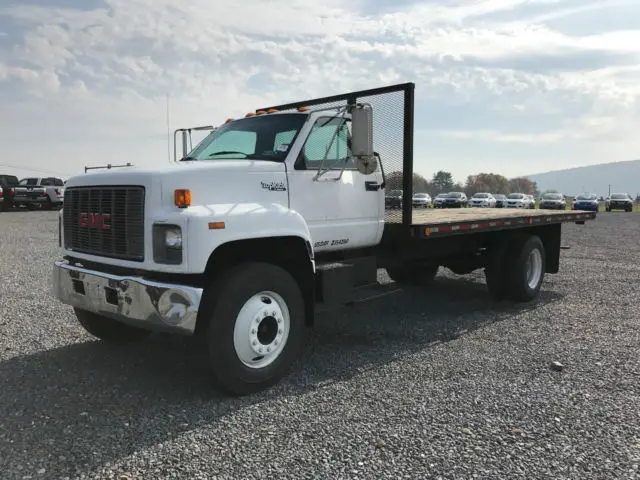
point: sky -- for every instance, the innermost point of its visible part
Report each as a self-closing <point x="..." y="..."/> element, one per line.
<point x="513" y="87"/>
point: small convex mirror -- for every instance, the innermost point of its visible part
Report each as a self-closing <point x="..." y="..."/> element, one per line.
<point x="362" y="139"/>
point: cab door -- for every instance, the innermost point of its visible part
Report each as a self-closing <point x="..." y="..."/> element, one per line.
<point x="343" y="208"/>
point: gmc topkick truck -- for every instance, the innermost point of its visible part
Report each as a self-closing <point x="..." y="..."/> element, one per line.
<point x="271" y="216"/>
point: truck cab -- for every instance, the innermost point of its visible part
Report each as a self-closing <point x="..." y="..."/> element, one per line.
<point x="151" y="249"/>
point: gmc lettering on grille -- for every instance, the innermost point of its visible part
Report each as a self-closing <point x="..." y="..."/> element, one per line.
<point x="95" y="220"/>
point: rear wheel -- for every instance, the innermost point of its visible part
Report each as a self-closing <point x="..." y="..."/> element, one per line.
<point x="256" y="326"/>
<point x="109" y="330"/>
<point x="517" y="275"/>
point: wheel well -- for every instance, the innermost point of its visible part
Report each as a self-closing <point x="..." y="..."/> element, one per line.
<point x="292" y="253"/>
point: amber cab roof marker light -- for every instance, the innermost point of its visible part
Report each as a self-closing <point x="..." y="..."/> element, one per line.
<point x="182" y="197"/>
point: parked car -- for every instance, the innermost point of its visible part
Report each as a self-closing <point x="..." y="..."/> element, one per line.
<point x="485" y="200"/>
<point x="553" y="201"/>
<point x="8" y="183"/>
<point x="501" y="200"/>
<point x="619" y="201"/>
<point x="393" y="199"/>
<point x="587" y="202"/>
<point x="455" y="200"/>
<point x="532" y="201"/>
<point x="518" y="200"/>
<point x="43" y="192"/>
<point x="438" y="202"/>
<point x="421" y="200"/>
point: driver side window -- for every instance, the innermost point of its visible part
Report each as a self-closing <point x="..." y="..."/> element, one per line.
<point x="330" y="137"/>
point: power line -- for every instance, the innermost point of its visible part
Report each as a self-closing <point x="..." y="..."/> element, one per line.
<point x="20" y="167"/>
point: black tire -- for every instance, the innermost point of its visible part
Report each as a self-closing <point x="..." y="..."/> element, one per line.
<point x="413" y="274"/>
<point x="223" y="303"/>
<point x="109" y="330"/>
<point x="48" y="204"/>
<point x="520" y="248"/>
<point x="495" y="272"/>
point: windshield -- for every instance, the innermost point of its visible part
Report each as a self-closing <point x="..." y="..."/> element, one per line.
<point x="515" y="195"/>
<point x="619" y="196"/>
<point x="499" y="196"/>
<point x="266" y="137"/>
<point x="586" y="197"/>
<point x="481" y="195"/>
<point x="395" y="193"/>
<point x="552" y="196"/>
<point x="454" y="195"/>
<point x="420" y="195"/>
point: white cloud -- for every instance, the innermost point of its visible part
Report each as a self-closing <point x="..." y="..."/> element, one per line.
<point x="95" y="80"/>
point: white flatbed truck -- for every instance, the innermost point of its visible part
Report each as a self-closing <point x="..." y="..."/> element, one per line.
<point x="270" y="217"/>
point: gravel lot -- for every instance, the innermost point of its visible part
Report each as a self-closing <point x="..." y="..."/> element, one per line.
<point x="435" y="384"/>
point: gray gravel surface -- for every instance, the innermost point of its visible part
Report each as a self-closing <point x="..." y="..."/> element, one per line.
<point x="438" y="383"/>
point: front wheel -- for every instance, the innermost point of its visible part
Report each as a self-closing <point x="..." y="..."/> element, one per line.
<point x="256" y="327"/>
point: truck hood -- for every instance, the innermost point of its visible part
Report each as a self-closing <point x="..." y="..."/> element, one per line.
<point x="217" y="181"/>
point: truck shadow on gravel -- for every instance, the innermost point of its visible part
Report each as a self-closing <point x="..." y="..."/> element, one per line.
<point x="80" y="407"/>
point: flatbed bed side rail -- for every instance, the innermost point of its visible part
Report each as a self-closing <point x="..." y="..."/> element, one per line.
<point x="442" y="229"/>
<point x="393" y="126"/>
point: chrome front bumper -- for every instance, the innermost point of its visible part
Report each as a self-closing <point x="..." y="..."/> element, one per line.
<point x="152" y="305"/>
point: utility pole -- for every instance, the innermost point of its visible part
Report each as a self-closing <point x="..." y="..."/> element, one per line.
<point x="609" y="189"/>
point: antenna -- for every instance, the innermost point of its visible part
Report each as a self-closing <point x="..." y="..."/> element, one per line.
<point x="168" y="132"/>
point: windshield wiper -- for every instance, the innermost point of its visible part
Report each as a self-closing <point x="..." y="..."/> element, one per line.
<point x="186" y="159"/>
<point x="227" y="152"/>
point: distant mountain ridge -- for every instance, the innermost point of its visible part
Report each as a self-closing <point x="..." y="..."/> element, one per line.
<point x="623" y="177"/>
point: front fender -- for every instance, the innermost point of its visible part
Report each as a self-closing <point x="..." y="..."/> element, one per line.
<point x="241" y="221"/>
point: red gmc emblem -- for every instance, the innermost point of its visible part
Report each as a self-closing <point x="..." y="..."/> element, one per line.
<point x="95" y="220"/>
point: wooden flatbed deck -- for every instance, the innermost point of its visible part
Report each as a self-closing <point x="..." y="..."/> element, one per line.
<point x="434" y="222"/>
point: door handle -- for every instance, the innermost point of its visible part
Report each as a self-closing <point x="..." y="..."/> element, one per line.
<point x="371" y="186"/>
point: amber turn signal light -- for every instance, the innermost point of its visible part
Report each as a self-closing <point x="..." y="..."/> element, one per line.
<point x="182" y="198"/>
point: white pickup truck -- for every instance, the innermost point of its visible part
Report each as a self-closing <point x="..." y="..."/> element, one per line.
<point x="43" y="192"/>
<point x="269" y="217"/>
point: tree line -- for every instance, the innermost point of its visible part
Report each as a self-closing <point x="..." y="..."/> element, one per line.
<point x="442" y="182"/>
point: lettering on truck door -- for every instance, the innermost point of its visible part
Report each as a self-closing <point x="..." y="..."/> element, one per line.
<point x="340" y="210"/>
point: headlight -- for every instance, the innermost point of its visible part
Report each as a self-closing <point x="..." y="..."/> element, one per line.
<point x="167" y="244"/>
<point x="173" y="238"/>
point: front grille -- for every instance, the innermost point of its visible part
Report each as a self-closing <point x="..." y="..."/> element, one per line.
<point x="105" y="221"/>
